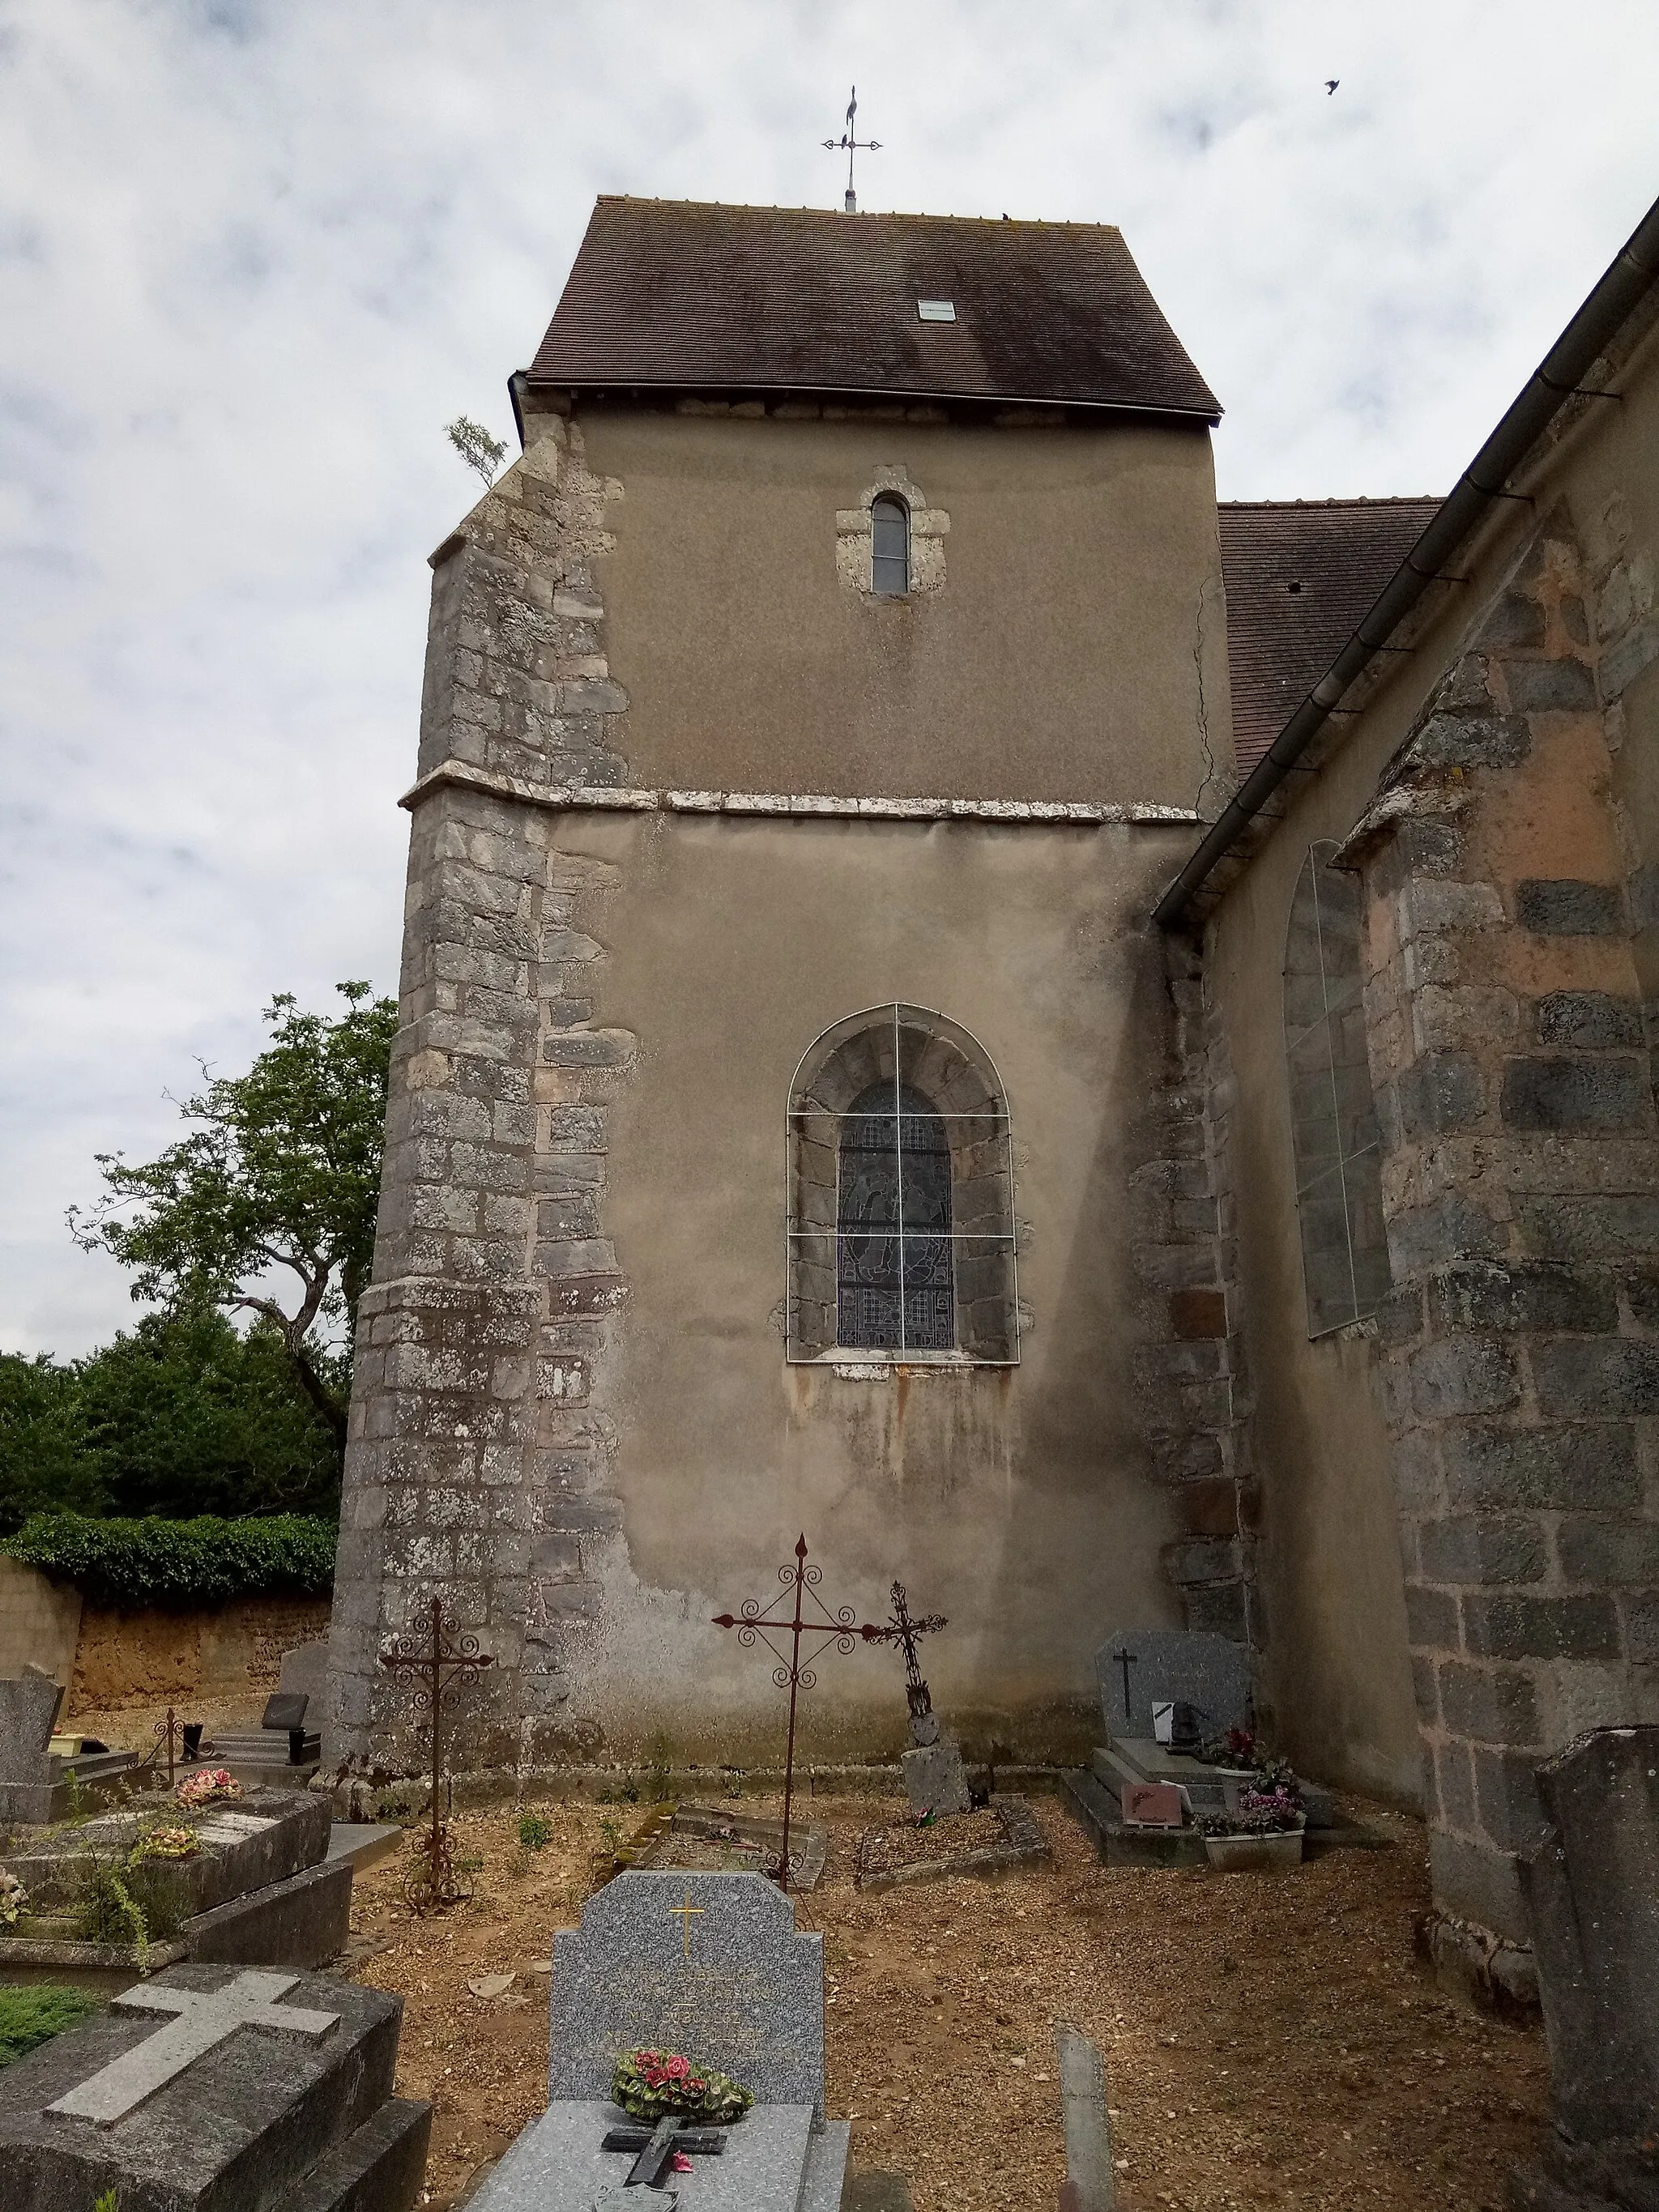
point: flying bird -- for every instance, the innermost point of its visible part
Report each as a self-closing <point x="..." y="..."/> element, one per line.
<point x="1331" y="83"/>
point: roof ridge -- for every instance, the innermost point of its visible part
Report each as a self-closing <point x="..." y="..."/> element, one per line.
<point x="864" y="214"/>
<point x="1359" y="499"/>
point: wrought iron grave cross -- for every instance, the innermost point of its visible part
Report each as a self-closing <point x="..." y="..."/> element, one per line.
<point x="792" y="1673"/>
<point x="849" y="145"/>
<point x="903" y="1631"/>
<point x="436" y="1661"/>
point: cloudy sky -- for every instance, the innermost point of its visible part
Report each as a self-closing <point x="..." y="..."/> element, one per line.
<point x="253" y="253"/>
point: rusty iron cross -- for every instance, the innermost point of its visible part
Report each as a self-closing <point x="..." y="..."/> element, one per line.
<point x="903" y="1631"/>
<point x="436" y="1661"/>
<point x="792" y="1673"/>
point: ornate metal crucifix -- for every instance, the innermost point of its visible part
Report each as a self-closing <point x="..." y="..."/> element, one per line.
<point x="849" y="145"/>
<point x="903" y="1631"/>
<point x="792" y="1673"/>
<point x="436" y="1661"/>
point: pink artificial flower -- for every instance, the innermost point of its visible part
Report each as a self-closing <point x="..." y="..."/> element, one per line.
<point x="677" y="2068"/>
<point x="682" y="2163"/>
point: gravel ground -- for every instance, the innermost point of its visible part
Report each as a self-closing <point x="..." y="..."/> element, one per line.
<point x="1269" y="2041"/>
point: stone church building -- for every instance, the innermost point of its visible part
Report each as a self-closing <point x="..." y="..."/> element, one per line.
<point x="1086" y="1049"/>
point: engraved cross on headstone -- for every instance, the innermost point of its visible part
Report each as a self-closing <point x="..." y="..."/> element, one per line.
<point x="1126" y="1659"/>
<point x="204" y="2018"/>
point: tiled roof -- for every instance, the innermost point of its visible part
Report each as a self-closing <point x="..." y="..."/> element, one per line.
<point x="1300" y="578"/>
<point x="693" y="296"/>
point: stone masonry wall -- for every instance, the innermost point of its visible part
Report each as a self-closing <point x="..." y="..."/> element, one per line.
<point x="476" y="1466"/>
<point x="1518" y="1354"/>
<point x="1191" y="1382"/>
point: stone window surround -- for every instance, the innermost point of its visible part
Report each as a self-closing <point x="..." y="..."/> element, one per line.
<point x="954" y="1068"/>
<point x="855" y="539"/>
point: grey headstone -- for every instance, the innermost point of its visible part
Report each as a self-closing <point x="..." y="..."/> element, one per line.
<point x="1594" y="1889"/>
<point x="933" y="1778"/>
<point x="304" y="1672"/>
<point x="286" y="1709"/>
<point x="28" y="1713"/>
<point x="773" y="2161"/>
<point x="710" y="1964"/>
<point x="1170" y="1664"/>
<point x="258" y="2112"/>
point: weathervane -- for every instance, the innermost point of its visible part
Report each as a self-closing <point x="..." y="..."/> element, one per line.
<point x="851" y="145"/>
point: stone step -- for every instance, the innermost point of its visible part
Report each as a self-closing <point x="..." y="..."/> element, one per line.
<point x="378" y="2169"/>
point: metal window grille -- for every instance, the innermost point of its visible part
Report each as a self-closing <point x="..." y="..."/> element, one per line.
<point x="889" y="547"/>
<point x="1338" y="1153"/>
<point x="901" y="1231"/>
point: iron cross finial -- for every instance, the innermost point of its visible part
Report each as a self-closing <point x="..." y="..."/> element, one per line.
<point x="849" y="144"/>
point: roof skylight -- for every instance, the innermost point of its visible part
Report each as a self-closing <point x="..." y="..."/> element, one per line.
<point x="937" y="311"/>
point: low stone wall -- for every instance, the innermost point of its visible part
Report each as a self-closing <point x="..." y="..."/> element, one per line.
<point x="134" y="1658"/>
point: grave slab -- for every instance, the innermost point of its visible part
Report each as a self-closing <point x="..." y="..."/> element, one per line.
<point x="260" y="1838"/>
<point x="773" y="2161"/>
<point x="301" y="1922"/>
<point x="212" y="2089"/>
<point x="1139" y="1668"/>
<point x="711" y="1965"/>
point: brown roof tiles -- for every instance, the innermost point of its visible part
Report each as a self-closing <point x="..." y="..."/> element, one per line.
<point x="700" y="297"/>
<point x="1300" y="578"/>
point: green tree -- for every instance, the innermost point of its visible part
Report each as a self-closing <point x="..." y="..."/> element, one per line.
<point x="279" y="1183"/>
<point x="44" y="1461"/>
<point x="476" y="447"/>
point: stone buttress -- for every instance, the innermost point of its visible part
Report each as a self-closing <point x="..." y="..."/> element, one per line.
<point x="1518" y="1354"/>
<point x="478" y="1460"/>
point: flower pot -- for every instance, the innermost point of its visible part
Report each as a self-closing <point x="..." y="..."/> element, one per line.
<point x="1255" y="1854"/>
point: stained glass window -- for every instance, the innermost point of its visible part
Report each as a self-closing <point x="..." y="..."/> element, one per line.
<point x="889" y="547"/>
<point x="1339" y="1176"/>
<point x="900" y="1232"/>
<point x="893" y="1222"/>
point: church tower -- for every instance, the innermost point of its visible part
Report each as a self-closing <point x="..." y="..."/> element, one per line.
<point x="812" y="716"/>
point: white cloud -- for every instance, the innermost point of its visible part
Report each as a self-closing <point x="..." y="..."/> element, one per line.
<point x="253" y="256"/>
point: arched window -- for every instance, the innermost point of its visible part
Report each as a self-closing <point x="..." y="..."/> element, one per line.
<point x="901" y="1232"/>
<point x="1339" y="1182"/>
<point x="893" y="1223"/>
<point x="889" y="547"/>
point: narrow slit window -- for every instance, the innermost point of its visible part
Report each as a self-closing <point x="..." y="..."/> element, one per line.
<point x="890" y="548"/>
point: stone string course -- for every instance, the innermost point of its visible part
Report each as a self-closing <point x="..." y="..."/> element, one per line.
<point x="459" y="774"/>
<point x="1518" y="1352"/>
<point x="478" y="1464"/>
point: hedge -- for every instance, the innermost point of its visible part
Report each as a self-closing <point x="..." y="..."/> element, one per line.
<point x="178" y="1565"/>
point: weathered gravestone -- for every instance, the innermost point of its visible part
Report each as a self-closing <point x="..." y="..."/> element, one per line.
<point x="1593" y="1885"/>
<point x="217" y="2089"/>
<point x="1140" y="1667"/>
<point x="34" y="1783"/>
<point x="709" y="1966"/>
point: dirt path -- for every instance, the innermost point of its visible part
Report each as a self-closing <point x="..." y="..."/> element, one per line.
<point x="1269" y="2041"/>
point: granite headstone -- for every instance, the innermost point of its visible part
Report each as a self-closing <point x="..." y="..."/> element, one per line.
<point x="710" y="1964"/>
<point x="1593" y="1885"/>
<point x="1140" y="1667"/>
<point x="213" y="2086"/>
<point x="29" y="1714"/>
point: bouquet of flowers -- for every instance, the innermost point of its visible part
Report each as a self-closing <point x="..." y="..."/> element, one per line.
<point x="207" y="1786"/>
<point x="166" y="1844"/>
<point x="657" y="2085"/>
<point x="1270" y="1804"/>
<point x="13" y="1899"/>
